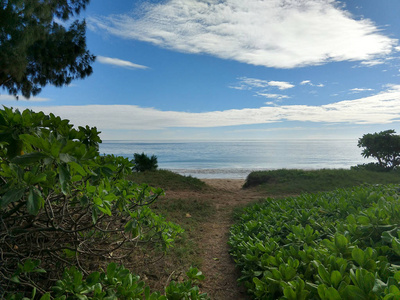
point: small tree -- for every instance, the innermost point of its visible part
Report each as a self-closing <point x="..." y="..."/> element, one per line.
<point x="383" y="146"/>
<point x="144" y="163"/>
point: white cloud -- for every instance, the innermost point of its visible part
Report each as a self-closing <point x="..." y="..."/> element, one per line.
<point x="282" y="85"/>
<point x="372" y="63"/>
<point x="382" y="108"/>
<point x="246" y="83"/>
<point x="274" y="33"/>
<point x="273" y="96"/>
<point x="119" y="62"/>
<point x="359" y="90"/>
<point x="22" y="98"/>
<point x="308" y="82"/>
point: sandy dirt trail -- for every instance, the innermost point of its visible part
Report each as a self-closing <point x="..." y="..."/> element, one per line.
<point x="217" y="265"/>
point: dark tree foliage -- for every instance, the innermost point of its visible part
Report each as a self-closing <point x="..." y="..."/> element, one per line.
<point x="383" y="146"/>
<point x="144" y="163"/>
<point x="36" y="48"/>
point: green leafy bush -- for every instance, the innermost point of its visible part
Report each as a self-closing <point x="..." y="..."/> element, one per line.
<point x="63" y="205"/>
<point x="338" y="245"/>
<point x="144" y="163"/>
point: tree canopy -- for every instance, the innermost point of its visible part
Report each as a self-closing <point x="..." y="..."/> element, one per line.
<point x="383" y="146"/>
<point x="36" y="47"/>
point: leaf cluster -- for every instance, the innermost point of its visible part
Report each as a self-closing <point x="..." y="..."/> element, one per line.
<point x="337" y="245"/>
<point x="113" y="283"/>
<point x="63" y="204"/>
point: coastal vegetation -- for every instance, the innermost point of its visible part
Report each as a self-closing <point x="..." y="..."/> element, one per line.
<point x="384" y="147"/>
<point x="337" y="238"/>
<point x="142" y="162"/>
<point x="294" y="182"/>
<point x="70" y="219"/>
<point x="343" y="244"/>
<point x="75" y="223"/>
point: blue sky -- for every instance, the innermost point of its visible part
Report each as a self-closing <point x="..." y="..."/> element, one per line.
<point x="234" y="70"/>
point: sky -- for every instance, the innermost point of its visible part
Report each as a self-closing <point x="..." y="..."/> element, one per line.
<point x="234" y="70"/>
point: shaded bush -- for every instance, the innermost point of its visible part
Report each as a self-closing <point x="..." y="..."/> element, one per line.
<point x="374" y="167"/>
<point x="144" y="163"/>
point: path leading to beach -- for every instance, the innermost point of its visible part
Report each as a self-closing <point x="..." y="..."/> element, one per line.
<point x="217" y="265"/>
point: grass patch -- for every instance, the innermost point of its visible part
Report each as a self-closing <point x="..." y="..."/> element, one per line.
<point x="292" y="181"/>
<point x="168" y="180"/>
<point x="189" y="214"/>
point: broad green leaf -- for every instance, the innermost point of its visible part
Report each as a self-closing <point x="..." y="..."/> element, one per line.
<point x="64" y="177"/>
<point x="93" y="278"/>
<point x="111" y="269"/>
<point x="340" y="241"/>
<point x="76" y="178"/>
<point x="323" y="273"/>
<point x="11" y="196"/>
<point x="29" y="158"/>
<point x="396" y="245"/>
<point x="332" y="294"/>
<point x="105" y="209"/>
<point x="363" y="220"/>
<point x="65" y="157"/>
<point x="33" y="140"/>
<point x="289" y="293"/>
<point x="45" y="297"/>
<point x="39" y="178"/>
<point x="35" y="201"/>
<point x="336" y="278"/>
<point x="359" y="256"/>
<point x="77" y="167"/>
<point x="353" y="292"/>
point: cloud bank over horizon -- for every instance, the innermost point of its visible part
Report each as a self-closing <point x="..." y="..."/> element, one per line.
<point x="381" y="108"/>
<point x="275" y="33"/>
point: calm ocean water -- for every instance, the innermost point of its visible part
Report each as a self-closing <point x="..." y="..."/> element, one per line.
<point x="238" y="159"/>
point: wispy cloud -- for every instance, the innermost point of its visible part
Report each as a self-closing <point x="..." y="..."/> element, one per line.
<point x="246" y="83"/>
<point x="282" y="85"/>
<point x="274" y="33"/>
<point x="372" y="63"/>
<point x="273" y="96"/>
<point x="382" y="108"/>
<point x="22" y="98"/>
<point x="308" y="82"/>
<point x="359" y="90"/>
<point x="118" y="62"/>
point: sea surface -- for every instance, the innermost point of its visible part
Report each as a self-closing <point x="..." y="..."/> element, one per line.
<point x="236" y="159"/>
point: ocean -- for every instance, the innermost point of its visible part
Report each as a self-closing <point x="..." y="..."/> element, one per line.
<point x="236" y="159"/>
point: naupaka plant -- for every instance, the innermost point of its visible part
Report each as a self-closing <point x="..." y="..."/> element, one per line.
<point x="63" y="205"/>
<point x="343" y="244"/>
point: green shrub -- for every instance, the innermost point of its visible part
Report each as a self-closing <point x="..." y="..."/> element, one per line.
<point x="144" y="163"/>
<point x="343" y="244"/>
<point x="63" y="205"/>
<point x="374" y="167"/>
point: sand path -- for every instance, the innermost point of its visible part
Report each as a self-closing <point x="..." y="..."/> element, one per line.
<point x="217" y="265"/>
